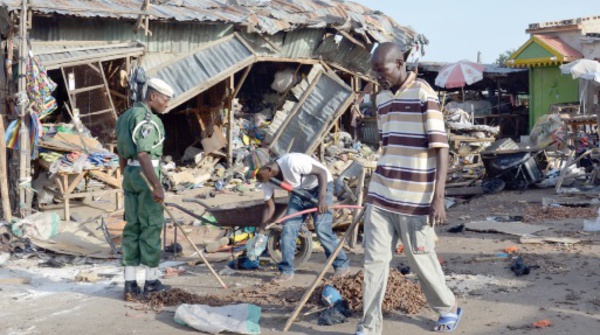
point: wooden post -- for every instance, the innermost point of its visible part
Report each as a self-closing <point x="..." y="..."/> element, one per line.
<point x="317" y="280"/>
<point x="24" y="145"/>
<point x="6" y="210"/>
<point x="4" y="197"/>
<point x="360" y="186"/>
<point x="230" y="120"/>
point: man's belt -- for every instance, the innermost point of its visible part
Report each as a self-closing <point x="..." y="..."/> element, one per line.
<point x="135" y="162"/>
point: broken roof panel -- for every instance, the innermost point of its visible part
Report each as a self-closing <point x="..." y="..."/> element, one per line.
<point x="53" y="56"/>
<point x="209" y="65"/>
<point x="266" y="17"/>
<point x="321" y="103"/>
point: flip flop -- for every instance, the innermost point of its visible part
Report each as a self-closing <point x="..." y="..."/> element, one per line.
<point x="450" y="320"/>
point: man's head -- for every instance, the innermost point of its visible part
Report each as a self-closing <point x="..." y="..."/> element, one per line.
<point x="267" y="172"/>
<point x="388" y="65"/>
<point x="158" y="95"/>
<point x="257" y="158"/>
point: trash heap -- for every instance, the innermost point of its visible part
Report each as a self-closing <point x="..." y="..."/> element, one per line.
<point x="64" y="148"/>
<point x="401" y="294"/>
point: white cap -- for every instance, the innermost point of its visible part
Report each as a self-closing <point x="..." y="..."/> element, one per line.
<point x="160" y="86"/>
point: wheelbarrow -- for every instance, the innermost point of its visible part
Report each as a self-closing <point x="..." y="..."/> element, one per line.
<point x="249" y="214"/>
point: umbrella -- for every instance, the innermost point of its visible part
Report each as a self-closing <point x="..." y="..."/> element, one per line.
<point x="580" y="67"/>
<point x="459" y="74"/>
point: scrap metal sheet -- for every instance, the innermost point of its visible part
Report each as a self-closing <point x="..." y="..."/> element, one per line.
<point x="193" y="73"/>
<point x="314" y="116"/>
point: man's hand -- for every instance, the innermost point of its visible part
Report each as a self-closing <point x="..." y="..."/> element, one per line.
<point x="437" y="211"/>
<point x="158" y="194"/>
<point x="322" y="205"/>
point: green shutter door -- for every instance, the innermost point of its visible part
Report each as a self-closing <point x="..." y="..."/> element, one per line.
<point x="549" y="86"/>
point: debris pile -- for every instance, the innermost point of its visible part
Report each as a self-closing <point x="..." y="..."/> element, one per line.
<point x="401" y="294"/>
<point x="537" y="213"/>
<point x="466" y="141"/>
<point x="266" y="294"/>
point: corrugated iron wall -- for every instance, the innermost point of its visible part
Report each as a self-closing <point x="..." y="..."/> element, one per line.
<point x="167" y="37"/>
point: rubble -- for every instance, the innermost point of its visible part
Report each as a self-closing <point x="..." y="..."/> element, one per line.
<point x="401" y="294"/>
<point x="537" y="213"/>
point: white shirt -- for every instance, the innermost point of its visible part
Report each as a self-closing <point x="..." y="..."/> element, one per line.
<point x="296" y="169"/>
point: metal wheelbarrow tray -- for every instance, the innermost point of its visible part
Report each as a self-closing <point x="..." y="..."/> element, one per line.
<point x="236" y="214"/>
<point x="249" y="214"/>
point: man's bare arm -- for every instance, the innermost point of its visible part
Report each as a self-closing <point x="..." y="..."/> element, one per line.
<point x="438" y="208"/>
<point x="322" y="177"/>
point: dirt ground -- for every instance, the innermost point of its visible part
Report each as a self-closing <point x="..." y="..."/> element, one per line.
<point x="564" y="290"/>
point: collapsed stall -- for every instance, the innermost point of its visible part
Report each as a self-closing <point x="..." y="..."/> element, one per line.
<point x="221" y="58"/>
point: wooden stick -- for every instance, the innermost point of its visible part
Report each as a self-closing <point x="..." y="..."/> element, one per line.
<point x="185" y="234"/>
<point x="310" y="290"/>
<point x="6" y="210"/>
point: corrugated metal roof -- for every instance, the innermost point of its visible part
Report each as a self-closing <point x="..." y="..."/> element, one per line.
<point x="167" y="37"/>
<point x="193" y="73"/>
<point x="315" y="114"/>
<point x="561" y="47"/>
<point x="345" y="53"/>
<point x="267" y="17"/>
<point x="489" y="68"/>
<point x="54" y="56"/>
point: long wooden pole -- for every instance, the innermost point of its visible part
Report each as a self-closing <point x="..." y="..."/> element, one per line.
<point x="24" y="150"/>
<point x="6" y="210"/>
<point x="315" y="283"/>
<point x="4" y="197"/>
<point x="186" y="235"/>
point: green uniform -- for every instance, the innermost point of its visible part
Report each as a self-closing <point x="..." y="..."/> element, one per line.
<point x="139" y="130"/>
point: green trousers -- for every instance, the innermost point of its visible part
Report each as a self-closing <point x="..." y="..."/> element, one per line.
<point x="144" y="217"/>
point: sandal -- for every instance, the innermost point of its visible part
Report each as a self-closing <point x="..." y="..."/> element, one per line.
<point x="449" y="320"/>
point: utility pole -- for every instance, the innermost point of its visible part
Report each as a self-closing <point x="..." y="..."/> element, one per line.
<point x="478" y="57"/>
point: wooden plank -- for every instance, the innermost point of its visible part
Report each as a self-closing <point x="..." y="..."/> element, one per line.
<point x="215" y="142"/>
<point x="85" y="89"/>
<point x="15" y="281"/>
<point x="107" y="89"/>
<point x="104" y="111"/>
<point x="75" y="182"/>
<point x="105" y="178"/>
<point x="238" y="87"/>
<point x="230" y="120"/>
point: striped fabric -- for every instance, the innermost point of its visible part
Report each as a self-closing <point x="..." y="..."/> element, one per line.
<point x="411" y="126"/>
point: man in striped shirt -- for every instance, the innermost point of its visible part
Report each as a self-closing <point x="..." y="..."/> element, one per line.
<point x="406" y="194"/>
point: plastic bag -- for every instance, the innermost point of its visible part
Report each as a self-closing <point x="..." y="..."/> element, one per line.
<point x="41" y="226"/>
<point x="256" y="246"/>
<point x="241" y="319"/>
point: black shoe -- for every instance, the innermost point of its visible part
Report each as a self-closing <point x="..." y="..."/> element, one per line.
<point x="132" y="290"/>
<point x="155" y="286"/>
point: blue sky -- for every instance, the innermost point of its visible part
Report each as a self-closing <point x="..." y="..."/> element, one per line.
<point x="458" y="29"/>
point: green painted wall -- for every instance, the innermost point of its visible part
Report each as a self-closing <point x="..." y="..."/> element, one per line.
<point x="534" y="50"/>
<point x="548" y="86"/>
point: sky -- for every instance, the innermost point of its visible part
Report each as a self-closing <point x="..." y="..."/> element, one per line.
<point x="458" y="29"/>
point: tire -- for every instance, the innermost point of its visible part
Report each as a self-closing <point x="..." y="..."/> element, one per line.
<point x="304" y="246"/>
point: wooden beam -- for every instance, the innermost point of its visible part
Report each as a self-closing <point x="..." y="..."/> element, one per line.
<point x="108" y="96"/>
<point x="230" y="126"/>
<point x="238" y="87"/>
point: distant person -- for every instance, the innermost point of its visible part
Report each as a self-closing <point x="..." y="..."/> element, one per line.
<point x="304" y="172"/>
<point x="140" y="137"/>
<point x="406" y="193"/>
